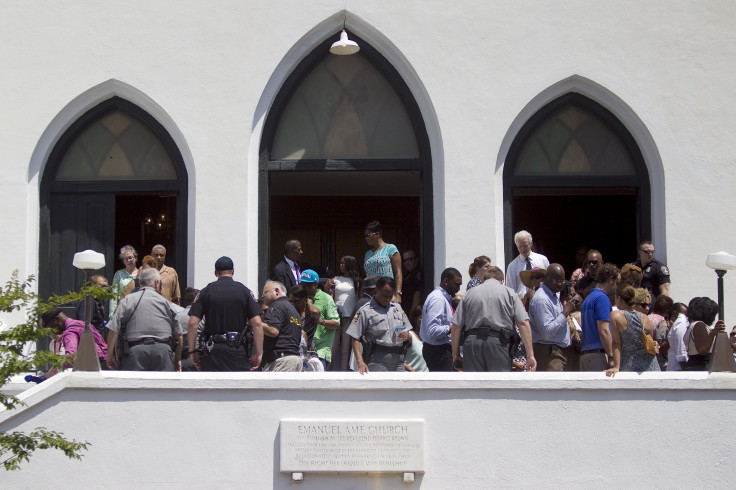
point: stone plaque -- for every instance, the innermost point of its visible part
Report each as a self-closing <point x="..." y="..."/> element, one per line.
<point x="352" y="445"/>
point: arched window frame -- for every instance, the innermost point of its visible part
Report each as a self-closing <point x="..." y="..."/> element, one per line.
<point x="49" y="185"/>
<point x="640" y="181"/>
<point x="423" y="163"/>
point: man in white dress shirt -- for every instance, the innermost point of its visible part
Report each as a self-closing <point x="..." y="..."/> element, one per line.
<point x="526" y="260"/>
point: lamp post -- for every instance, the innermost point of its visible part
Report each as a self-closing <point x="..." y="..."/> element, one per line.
<point x="722" y="354"/>
<point x="721" y="262"/>
<point x="86" y="359"/>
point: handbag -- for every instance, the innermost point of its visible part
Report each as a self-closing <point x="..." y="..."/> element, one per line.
<point x="648" y="342"/>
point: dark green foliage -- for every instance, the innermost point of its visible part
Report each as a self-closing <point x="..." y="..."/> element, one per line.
<point x="18" y="297"/>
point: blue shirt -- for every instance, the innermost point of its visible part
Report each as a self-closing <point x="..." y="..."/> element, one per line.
<point x="436" y="318"/>
<point x="596" y="307"/>
<point x="549" y="325"/>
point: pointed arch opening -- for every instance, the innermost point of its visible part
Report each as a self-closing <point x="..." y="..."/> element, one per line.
<point x="344" y="143"/>
<point x="115" y="177"/>
<point x="574" y="176"/>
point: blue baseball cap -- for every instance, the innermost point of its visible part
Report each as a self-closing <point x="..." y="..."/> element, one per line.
<point x="309" y="276"/>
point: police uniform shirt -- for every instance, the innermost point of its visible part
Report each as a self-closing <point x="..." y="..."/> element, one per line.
<point x="225" y="305"/>
<point x="283" y="316"/>
<point x="378" y="323"/>
<point x="152" y="316"/>
<point x="490" y="305"/>
<point x="653" y="275"/>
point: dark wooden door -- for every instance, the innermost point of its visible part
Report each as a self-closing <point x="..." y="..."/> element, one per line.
<point x="78" y="222"/>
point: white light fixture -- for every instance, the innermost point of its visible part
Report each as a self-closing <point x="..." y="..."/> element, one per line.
<point x="88" y="260"/>
<point x="722" y="261"/>
<point x="344" y="46"/>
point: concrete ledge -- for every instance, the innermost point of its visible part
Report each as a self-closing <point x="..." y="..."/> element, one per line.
<point x="347" y="382"/>
<point x="573" y="429"/>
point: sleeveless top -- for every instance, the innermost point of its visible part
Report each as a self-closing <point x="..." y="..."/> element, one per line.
<point x="690" y="341"/>
<point x="634" y="356"/>
<point x="378" y="263"/>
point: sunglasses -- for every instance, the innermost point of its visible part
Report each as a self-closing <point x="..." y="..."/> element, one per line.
<point x="650" y="252"/>
<point x="593" y="261"/>
<point x="645" y="305"/>
<point x="733" y="334"/>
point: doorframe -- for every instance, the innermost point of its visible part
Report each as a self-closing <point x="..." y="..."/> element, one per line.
<point x="422" y="164"/>
<point x="641" y="181"/>
<point x="48" y="185"/>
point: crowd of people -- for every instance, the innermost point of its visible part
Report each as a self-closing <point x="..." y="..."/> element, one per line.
<point x="369" y="317"/>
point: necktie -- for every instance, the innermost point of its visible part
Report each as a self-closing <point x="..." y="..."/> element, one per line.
<point x="298" y="273"/>
<point x="528" y="263"/>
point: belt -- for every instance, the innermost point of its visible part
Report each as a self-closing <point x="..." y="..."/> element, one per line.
<point x="277" y="355"/>
<point x="396" y="349"/>
<point x="594" y="351"/>
<point x="221" y="338"/>
<point x="148" y="341"/>
<point x="489" y="332"/>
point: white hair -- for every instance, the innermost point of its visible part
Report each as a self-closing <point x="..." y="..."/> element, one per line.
<point x="277" y="285"/>
<point x="148" y="277"/>
<point x="522" y="235"/>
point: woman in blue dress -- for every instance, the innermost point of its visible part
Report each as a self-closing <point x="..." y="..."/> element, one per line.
<point x="383" y="259"/>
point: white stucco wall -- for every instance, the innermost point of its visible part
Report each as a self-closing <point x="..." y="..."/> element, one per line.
<point x="209" y="70"/>
<point x="481" y="430"/>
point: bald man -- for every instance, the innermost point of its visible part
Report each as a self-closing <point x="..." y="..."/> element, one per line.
<point x="548" y="319"/>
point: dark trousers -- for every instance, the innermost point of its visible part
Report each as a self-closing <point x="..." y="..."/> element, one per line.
<point x="438" y="357"/>
<point x="385" y="361"/>
<point x="485" y="354"/>
<point x="149" y="357"/>
<point x="225" y="358"/>
<point x="549" y="357"/>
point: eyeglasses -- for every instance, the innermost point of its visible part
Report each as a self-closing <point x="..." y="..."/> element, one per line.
<point x="267" y="291"/>
<point x="368" y="235"/>
<point x="650" y="252"/>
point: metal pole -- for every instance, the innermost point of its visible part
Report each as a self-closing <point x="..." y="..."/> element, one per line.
<point x="720" y="273"/>
<point x="86" y="359"/>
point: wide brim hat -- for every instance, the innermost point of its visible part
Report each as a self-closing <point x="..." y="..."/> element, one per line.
<point x="526" y="275"/>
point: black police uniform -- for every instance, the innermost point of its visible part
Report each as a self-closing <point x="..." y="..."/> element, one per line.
<point x="226" y="305"/>
<point x="283" y="316"/>
<point x="653" y="275"/>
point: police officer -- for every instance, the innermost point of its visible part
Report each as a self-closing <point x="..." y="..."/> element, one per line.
<point x="226" y="306"/>
<point x="384" y="329"/>
<point x="152" y="336"/>
<point x="486" y="316"/>
<point x="655" y="274"/>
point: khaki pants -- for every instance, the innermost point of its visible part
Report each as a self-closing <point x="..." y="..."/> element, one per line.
<point x="594" y="361"/>
<point x="286" y="363"/>
<point x="549" y="357"/>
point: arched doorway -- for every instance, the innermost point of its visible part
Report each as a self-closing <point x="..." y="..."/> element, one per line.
<point x="574" y="176"/>
<point x="344" y="143"/>
<point x="115" y="177"/>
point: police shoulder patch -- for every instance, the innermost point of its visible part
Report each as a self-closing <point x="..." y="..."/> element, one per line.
<point x="665" y="270"/>
<point x="356" y="317"/>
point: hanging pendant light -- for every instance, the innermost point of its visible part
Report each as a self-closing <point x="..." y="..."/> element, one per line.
<point x="344" y="46"/>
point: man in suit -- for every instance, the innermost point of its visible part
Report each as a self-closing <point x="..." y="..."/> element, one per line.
<point x="287" y="270"/>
